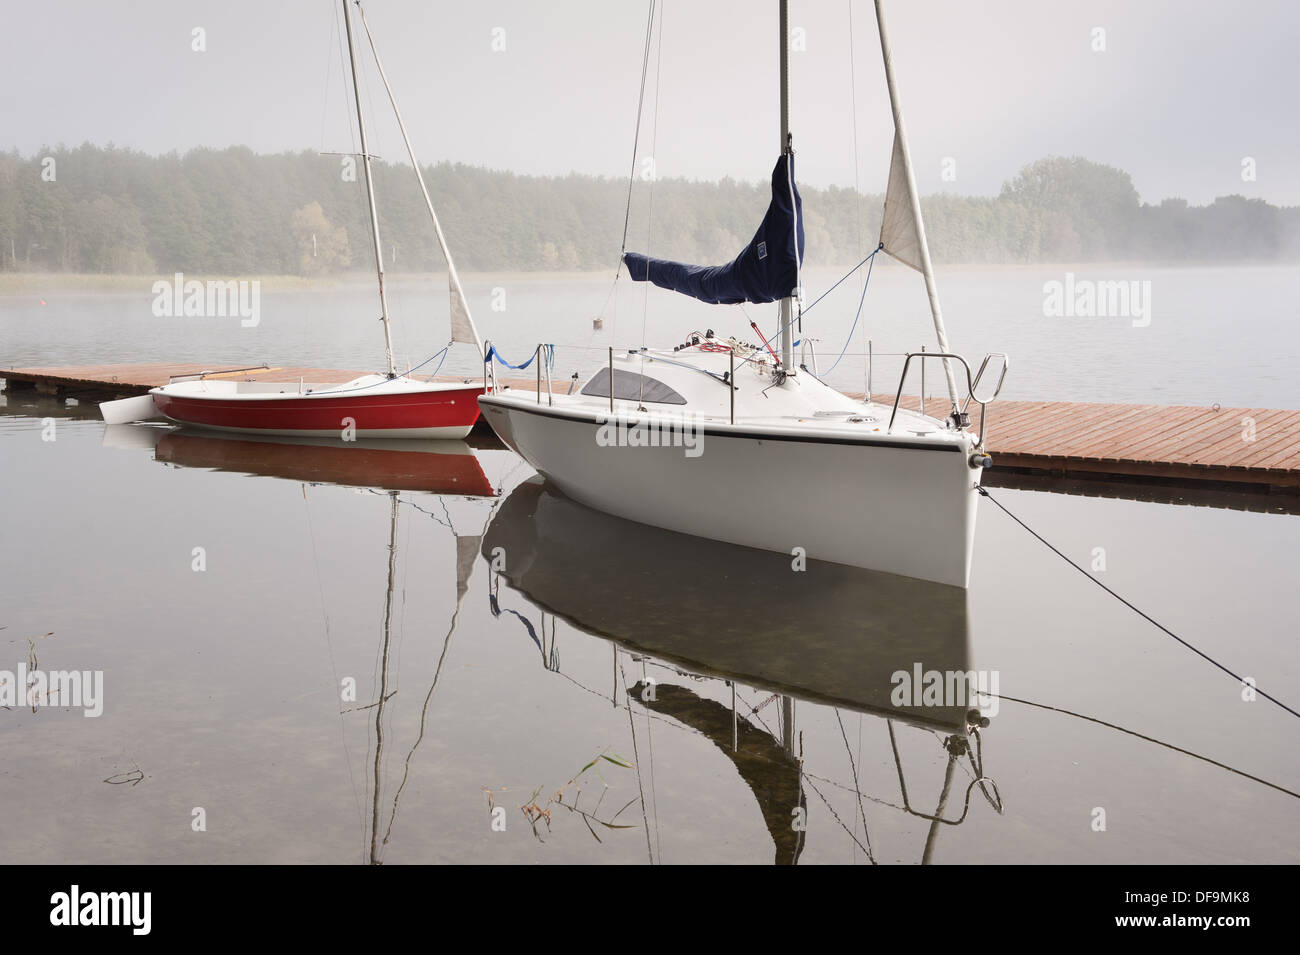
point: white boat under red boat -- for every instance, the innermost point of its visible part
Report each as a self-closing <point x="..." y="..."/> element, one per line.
<point x="373" y="406"/>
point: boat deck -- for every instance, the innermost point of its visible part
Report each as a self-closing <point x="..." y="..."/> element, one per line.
<point x="1178" y="445"/>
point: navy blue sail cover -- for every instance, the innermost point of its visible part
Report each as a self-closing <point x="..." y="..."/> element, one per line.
<point x="765" y="271"/>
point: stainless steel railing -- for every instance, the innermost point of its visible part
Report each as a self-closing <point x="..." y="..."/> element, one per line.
<point x="491" y="386"/>
<point x="971" y="385"/>
<point x="540" y="360"/>
<point x="489" y="370"/>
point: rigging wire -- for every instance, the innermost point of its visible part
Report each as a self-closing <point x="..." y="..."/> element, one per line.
<point x="329" y="63"/>
<point x="857" y="192"/>
<point x="844" y="277"/>
<point x="631" y="175"/>
<point x="349" y="94"/>
<point x="636" y="760"/>
<point x="654" y="791"/>
<point x="397" y="329"/>
<point x="871" y="259"/>
<point x="857" y="787"/>
<point x="1145" y="616"/>
<point x="654" y="178"/>
<point x="836" y="815"/>
<point x="636" y="136"/>
<point x="768" y="341"/>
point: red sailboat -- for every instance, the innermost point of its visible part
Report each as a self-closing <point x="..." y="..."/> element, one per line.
<point x="373" y="406"/>
<point x="385" y="405"/>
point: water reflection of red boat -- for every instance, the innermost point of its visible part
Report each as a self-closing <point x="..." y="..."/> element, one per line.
<point x="441" y="467"/>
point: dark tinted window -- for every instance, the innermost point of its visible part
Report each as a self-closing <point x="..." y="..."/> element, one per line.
<point x="630" y="386"/>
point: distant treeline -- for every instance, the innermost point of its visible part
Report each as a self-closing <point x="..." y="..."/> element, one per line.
<point x="234" y="212"/>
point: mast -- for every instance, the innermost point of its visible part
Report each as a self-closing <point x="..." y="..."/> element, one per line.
<point x="787" y="303"/>
<point x="902" y="151"/>
<point x="370" y="194"/>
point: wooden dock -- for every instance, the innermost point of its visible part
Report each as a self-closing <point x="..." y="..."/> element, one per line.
<point x="105" y="382"/>
<point x="1176" y="444"/>
<point x="1255" y="449"/>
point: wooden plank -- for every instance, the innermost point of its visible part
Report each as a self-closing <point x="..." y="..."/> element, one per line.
<point x="1234" y="449"/>
<point x="1225" y="433"/>
<point x="1071" y="432"/>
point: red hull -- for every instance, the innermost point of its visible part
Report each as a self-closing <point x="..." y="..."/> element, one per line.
<point x="420" y="411"/>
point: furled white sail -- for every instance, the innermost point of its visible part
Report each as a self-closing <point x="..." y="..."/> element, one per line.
<point x="462" y="325"/>
<point x="898" y="230"/>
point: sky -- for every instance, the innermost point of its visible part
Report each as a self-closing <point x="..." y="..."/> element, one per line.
<point x="1181" y="95"/>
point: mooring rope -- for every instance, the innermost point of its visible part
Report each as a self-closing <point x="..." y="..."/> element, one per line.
<point x="1145" y="616"/>
<point x="1149" y="739"/>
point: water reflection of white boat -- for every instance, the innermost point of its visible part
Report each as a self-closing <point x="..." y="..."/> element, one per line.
<point x="830" y="635"/>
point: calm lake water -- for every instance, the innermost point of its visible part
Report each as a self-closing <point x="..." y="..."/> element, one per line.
<point x="1213" y="335"/>
<point x="373" y="650"/>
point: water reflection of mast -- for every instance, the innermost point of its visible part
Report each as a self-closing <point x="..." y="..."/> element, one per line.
<point x="383" y="675"/>
<point x="767" y="766"/>
<point x="466" y="551"/>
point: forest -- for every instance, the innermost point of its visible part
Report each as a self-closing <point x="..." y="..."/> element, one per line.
<point x="109" y="210"/>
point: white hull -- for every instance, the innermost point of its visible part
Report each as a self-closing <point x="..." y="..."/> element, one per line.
<point x="902" y="504"/>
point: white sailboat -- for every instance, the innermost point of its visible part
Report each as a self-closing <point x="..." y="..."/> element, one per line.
<point x="729" y="441"/>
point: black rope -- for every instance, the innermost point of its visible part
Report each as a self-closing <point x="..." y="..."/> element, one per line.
<point x="1150" y="739"/>
<point x="1145" y="616"/>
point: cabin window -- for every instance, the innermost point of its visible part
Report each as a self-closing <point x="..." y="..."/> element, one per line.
<point x="630" y="386"/>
